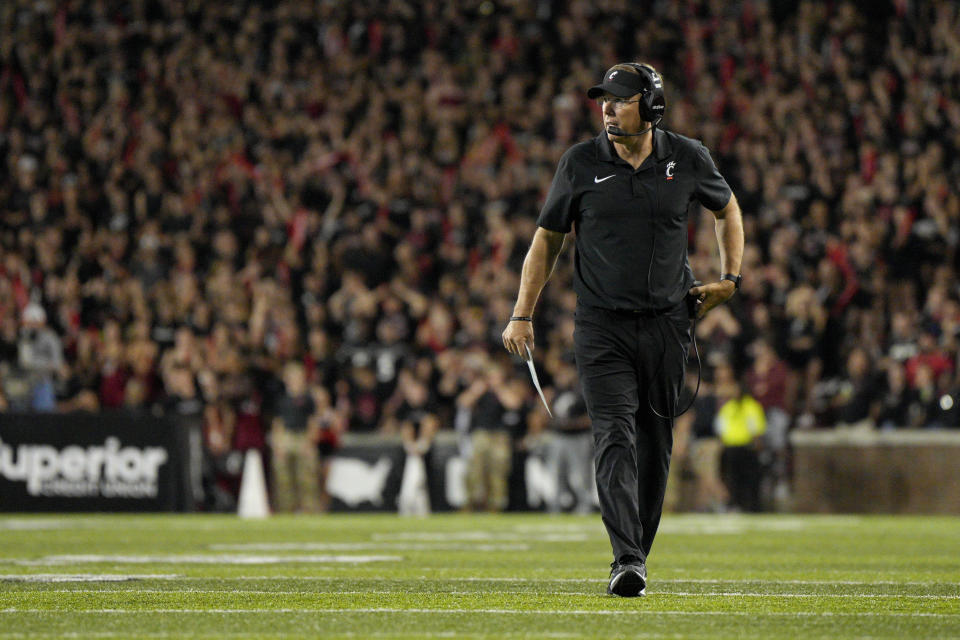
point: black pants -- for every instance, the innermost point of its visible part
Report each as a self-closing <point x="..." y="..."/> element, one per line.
<point x="623" y="359"/>
<point x="740" y="468"/>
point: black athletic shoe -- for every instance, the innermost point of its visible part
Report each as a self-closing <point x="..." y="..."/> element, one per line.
<point x="628" y="580"/>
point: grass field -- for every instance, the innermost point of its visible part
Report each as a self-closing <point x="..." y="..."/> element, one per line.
<point x="484" y="576"/>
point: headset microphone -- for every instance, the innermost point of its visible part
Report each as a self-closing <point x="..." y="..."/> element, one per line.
<point x="617" y="131"/>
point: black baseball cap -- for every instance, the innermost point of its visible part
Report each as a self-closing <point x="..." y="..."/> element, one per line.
<point x="618" y="82"/>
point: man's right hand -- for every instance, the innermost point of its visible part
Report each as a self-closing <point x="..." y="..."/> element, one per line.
<point x="516" y="337"/>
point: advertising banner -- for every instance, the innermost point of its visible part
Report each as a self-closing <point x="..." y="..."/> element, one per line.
<point x="368" y="473"/>
<point x="90" y="462"/>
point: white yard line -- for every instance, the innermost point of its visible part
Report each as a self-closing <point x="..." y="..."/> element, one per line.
<point x="17" y="524"/>
<point x="477" y="536"/>
<point x="744" y="594"/>
<point x="764" y="581"/>
<point x="201" y="559"/>
<point x="692" y="594"/>
<point x="91" y="634"/>
<point x="665" y="580"/>
<point x="327" y="634"/>
<point x="561" y="580"/>
<point x="83" y="577"/>
<point x="688" y="581"/>
<point x="366" y="546"/>
<point x="95" y="577"/>
<point x="551" y="612"/>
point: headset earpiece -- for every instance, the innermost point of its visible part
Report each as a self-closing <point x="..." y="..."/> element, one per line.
<point x="652" y="102"/>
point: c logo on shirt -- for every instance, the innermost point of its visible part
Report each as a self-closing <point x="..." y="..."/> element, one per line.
<point x="670" y="166"/>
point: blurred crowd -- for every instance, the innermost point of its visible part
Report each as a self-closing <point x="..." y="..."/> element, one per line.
<point x="196" y="194"/>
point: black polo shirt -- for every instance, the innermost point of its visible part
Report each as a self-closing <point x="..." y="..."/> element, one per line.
<point x="631" y="241"/>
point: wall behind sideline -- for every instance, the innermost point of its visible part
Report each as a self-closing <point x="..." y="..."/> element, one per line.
<point x="866" y="471"/>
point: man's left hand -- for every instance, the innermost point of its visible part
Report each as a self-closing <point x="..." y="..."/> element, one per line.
<point x="710" y="295"/>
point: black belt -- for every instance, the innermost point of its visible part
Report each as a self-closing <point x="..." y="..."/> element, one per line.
<point x="627" y="311"/>
<point x="644" y="313"/>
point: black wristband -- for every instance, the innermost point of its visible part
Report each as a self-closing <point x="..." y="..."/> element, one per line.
<point x="735" y="279"/>
<point x="521" y="319"/>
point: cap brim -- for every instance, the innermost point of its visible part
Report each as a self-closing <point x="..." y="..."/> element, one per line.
<point x="613" y="88"/>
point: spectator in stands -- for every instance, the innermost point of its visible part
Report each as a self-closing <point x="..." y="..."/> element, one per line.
<point x="930" y="356"/>
<point x="770" y="381"/>
<point x="897" y="399"/>
<point x="223" y="463"/>
<point x="246" y="402"/>
<point x="293" y="439"/>
<point x="363" y="396"/>
<point x="494" y="401"/>
<point x="332" y="424"/>
<point x="697" y="450"/>
<point x="248" y="173"/>
<point x="802" y="337"/>
<point x="183" y="399"/>
<point x="113" y="367"/>
<point x="856" y="402"/>
<point x="412" y="416"/>
<point x="935" y="406"/>
<point x="40" y="358"/>
<point x="740" y="423"/>
<point x="569" y="454"/>
<point x="83" y="373"/>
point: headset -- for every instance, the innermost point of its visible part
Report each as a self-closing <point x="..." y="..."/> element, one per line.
<point x="652" y="103"/>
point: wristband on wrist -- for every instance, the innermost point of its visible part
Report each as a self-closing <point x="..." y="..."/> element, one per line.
<point x="521" y="319"/>
<point x="735" y="279"/>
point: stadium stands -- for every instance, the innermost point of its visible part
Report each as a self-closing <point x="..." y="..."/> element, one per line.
<point x="195" y="193"/>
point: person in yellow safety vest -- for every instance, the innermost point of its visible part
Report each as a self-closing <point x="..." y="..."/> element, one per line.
<point x="740" y="423"/>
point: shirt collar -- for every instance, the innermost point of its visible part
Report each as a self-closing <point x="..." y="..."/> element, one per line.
<point x="662" y="148"/>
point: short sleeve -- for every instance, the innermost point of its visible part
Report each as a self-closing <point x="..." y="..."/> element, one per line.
<point x="712" y="190"/>
<point x="557" y="212"/>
